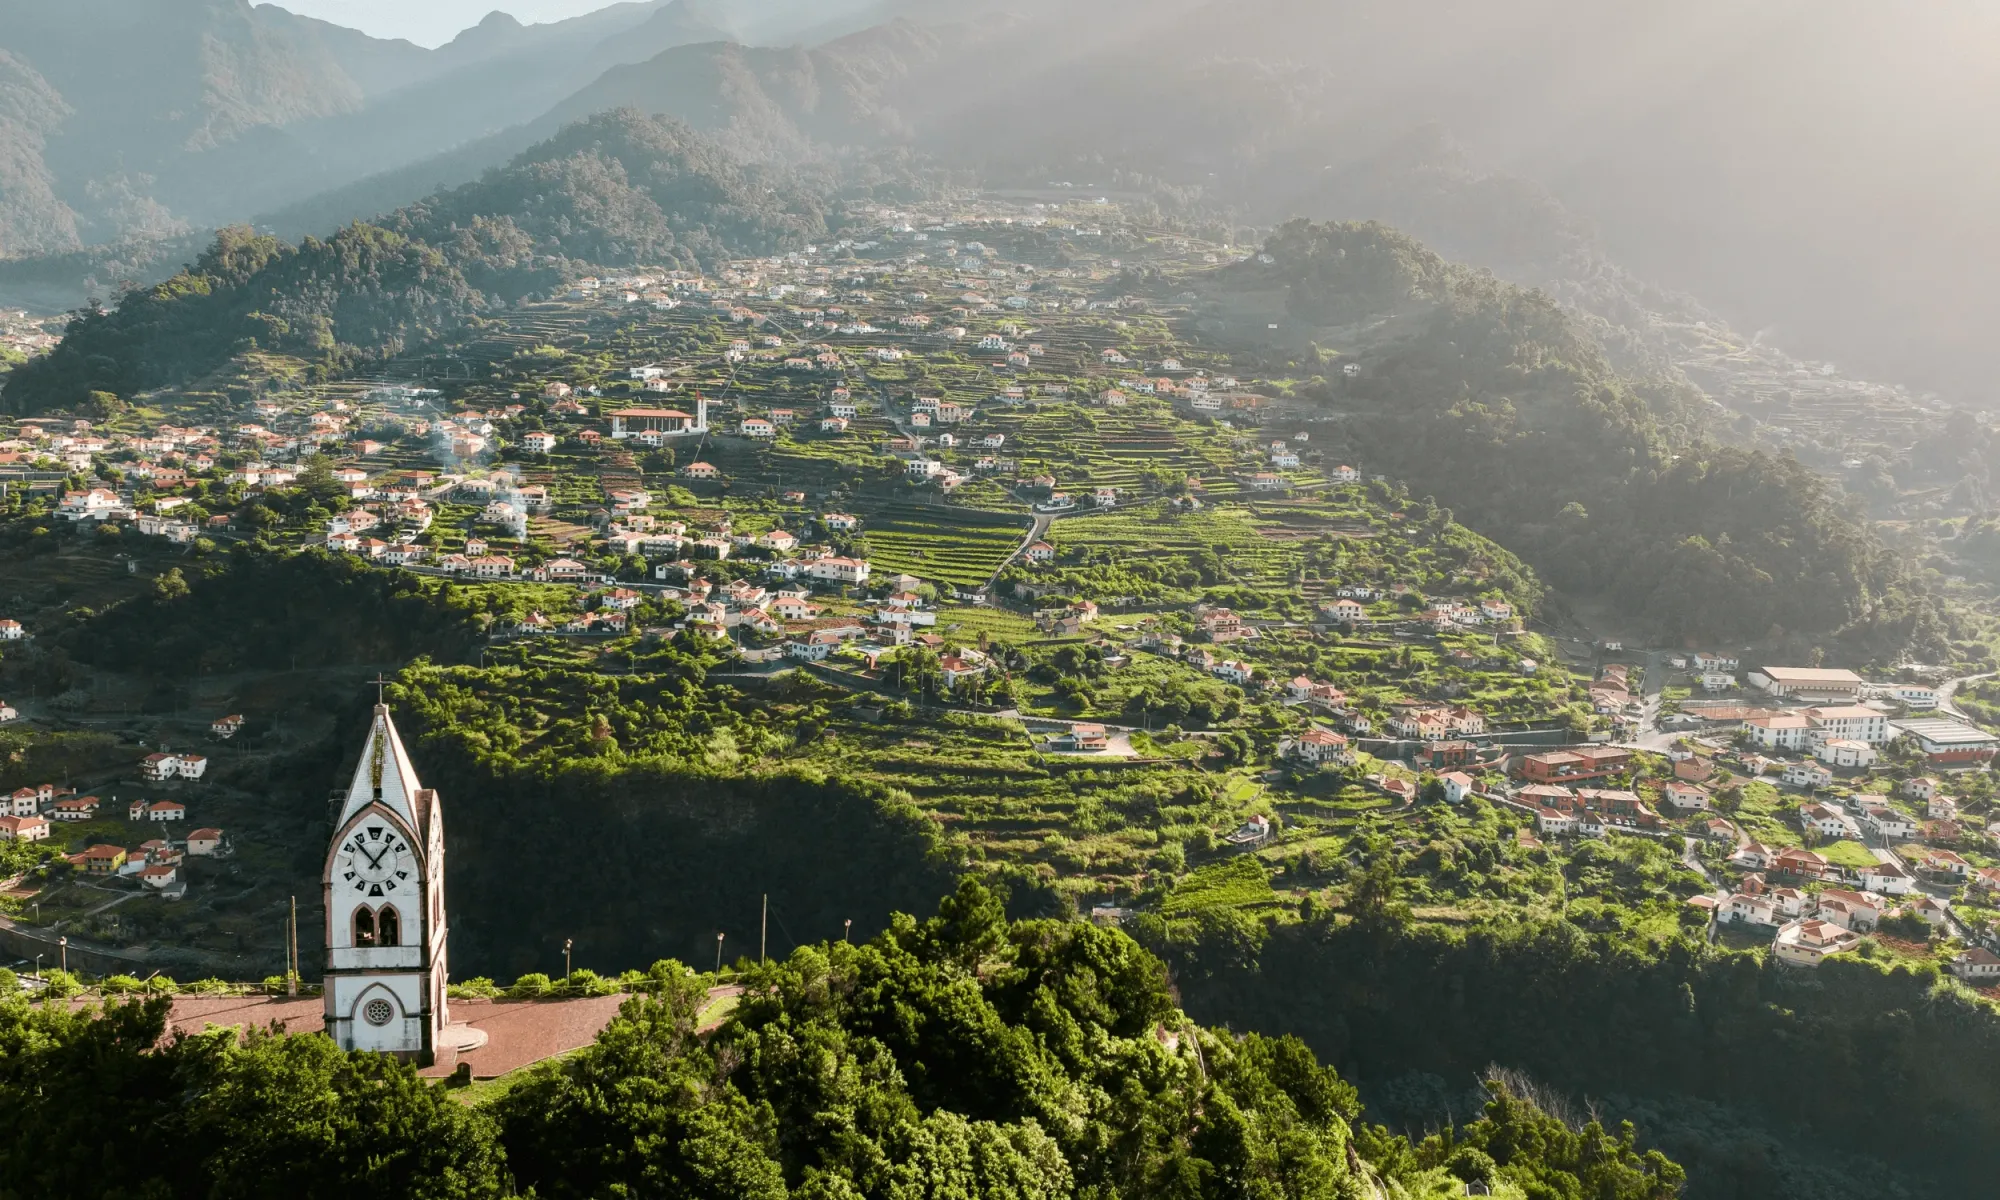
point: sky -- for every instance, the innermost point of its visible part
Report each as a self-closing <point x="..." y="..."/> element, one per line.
<point x="434" y="22"/>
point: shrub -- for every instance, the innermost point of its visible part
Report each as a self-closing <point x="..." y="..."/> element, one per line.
<point x="477" y="988"/>
<point x="532" y="986"/>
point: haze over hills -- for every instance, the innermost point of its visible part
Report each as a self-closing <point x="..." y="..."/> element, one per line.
<point x="1814" y="217"/>
<point x="129" y="122"/>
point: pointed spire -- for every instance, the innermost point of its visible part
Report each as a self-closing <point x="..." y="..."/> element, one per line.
<point x="384" y="773"/>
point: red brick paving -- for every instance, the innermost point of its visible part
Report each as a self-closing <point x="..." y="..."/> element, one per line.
<point x="519" y="1032"/>
<point x="192" y="1014"/>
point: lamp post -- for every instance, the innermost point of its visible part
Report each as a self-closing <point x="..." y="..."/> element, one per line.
<point x="846" y="927"/>
<point x="38" y="967"/>
<point x="62" y="943"/>
<point x="567" y="943"/>
<point x="718" y="953"/>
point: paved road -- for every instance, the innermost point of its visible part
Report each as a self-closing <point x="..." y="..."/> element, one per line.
<point x="1949" y="689"/>
<point x="1037" y="530"/>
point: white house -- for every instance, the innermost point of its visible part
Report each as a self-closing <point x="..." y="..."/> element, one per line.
<point x="1806" y="943"/>
<point x="1848" y="753"/>
<point x="838" y="570"/>
<point x="1457" y="786"/>
<point x="1785" y="731"/>
<point x="162" y="766"/>
<point x="1977" y="966"/>
<point x="1323" y="746"/>
<point x="1822" y="820"/>
<point x="1915" y="696"/>
<point x="1852" y="722"/>
<point x="1808" y="774"/>
<point x="1886" y="878"/>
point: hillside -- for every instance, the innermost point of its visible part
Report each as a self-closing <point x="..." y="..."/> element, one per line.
<point x="967" y="1057"/>
<point x="1473" y="390"/>
<point x="618" y="189"/>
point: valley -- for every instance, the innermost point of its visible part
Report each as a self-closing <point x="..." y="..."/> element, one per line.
<point x="993" y="614"/>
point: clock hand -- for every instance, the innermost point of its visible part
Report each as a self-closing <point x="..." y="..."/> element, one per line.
<point x="377" y="860"/>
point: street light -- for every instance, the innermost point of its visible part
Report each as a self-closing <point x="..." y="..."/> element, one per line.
<point x="567" y="942"/>
<point x="718" y="953"/>
<point x="846" y="926"/>
<point x="38" y="968"/>
<point x="63" y="943"/>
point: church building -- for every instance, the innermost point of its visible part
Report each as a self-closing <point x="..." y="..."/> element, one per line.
<point x="385" y="926"/>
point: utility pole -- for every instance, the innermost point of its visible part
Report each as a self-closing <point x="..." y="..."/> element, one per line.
<point x="764" y="929"/>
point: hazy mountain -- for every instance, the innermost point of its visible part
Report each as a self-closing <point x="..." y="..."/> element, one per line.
<point x="619" y="189"/>
<point x="1803" y="165"/>
<point x="123" y="119"/>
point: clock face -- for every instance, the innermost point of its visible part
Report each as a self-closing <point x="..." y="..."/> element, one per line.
<point x="376" y="861"/>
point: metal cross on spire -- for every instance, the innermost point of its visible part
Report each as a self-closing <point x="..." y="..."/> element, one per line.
<point x="379" y="683"/>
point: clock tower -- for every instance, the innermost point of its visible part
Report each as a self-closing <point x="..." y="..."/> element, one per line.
<point x="385" y="928"/>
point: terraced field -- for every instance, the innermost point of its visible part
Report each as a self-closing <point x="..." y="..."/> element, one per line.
<point x="949" y="545"/>
<point x="1232" y="531"/>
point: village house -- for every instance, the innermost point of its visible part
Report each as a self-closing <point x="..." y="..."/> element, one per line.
<point x="1746" y="908"/>
<point x="1685" y="797"/>
<point x="1457" y="786"/>
<point x="166" y="810"/>
<point x="1850" y="721"/>
<point x="1083" y="736"/>
<point x="1231" y="671"/>
<point x="1885" y="822"/>
<point x="103" y="860"/>
<point x="1808" y="775"/>
<point x="1847" y="754"/>
<point x="226" y="727"/>
<point x="1936" y="862"/>
<point x="204" y="843"/>
<point x="1886" y="878"/>
<point x="840" y="570"/>
<point x="1782" y="731"/>
<point x="1574" y="764"/>
<point x="1324" y="748"/>
<point x="163" y="766"/>
<point x="1807" y="942"/>
<point x="1858" y="911"/>
<point x="1802" y="864"/>
<point x="1822" y="820"/>
<point x="1923" y="787"/>
<point x="1977" y="966"/>
<point x="24" y="828"/>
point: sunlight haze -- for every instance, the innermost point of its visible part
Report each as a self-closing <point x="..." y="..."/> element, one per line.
<point x="434" y="22"/>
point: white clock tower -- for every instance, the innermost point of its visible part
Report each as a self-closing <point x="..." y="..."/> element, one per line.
<point x="385" y="929"/>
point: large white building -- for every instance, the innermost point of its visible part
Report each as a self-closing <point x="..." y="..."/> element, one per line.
<point x="660" y="422"/>
<point x="385" y="923"/>
<point x="1808" y="683"/>
<point x="1852" y="721"/>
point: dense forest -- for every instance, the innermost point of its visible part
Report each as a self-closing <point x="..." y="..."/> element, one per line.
<point x="1494" y="400"/>
<point x="1675" y="1029"/>
<point x="254" y="609"/>
<point x="618" y="189"/>
<point x="957" y="1057"/>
